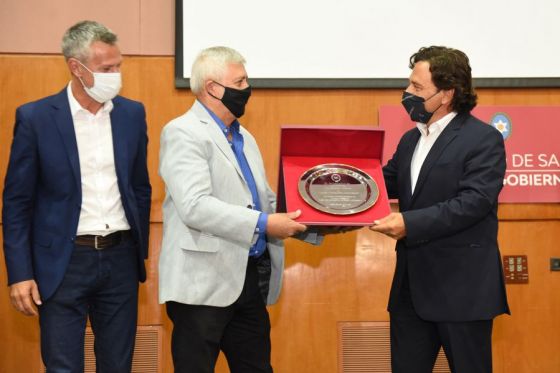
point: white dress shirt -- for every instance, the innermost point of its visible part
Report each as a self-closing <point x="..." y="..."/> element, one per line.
<point x="428" y="136"/>
<point x="102" y="212"/>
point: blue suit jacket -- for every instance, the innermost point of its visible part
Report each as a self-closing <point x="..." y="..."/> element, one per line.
<point x="43" y="195"/>
<point x="450" y="252"/>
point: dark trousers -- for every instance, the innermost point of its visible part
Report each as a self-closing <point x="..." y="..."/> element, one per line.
<point x="241" y="331"/>
<point x="104" y="285"/>
<point x="415" y="343"/>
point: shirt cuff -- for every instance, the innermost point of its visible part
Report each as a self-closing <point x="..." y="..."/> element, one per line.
<point x="261" y="223"/>
<point x="260" y="229"/>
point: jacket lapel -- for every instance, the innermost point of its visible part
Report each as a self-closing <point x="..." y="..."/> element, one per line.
<point x="411" y="146"/>
<point x="63" y="119"/>
<point x="120" y="143"/>
<point x="252" y="155"/>
<point x="216" y="135"/>
<point x="448" y="134"/>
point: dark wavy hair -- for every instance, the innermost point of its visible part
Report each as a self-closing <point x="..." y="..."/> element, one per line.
<point x="450" y="70"/>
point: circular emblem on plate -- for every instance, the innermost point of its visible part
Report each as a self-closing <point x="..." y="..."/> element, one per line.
<point x="338" y="189"/>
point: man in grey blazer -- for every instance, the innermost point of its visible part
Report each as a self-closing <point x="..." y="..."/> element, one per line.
<point x="222" y="257"/>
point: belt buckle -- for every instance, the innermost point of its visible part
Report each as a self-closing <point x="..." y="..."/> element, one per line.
<point x="95" y="242"/>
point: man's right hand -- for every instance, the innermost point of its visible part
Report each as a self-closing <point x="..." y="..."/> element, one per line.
<point x="24" y="296"/>
<point x="282" y="225"/>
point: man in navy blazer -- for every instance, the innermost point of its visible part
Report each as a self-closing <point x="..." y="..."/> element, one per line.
<point x="76" y="208"/>
<point x="447" y="174"/>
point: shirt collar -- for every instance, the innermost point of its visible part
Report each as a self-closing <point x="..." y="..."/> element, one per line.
<point x="438" y="126"/>
<point x="234" y="126"/>
<point x="76" y="108"/>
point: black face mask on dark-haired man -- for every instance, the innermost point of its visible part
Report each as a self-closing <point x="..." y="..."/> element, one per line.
<point x="416" y="108"/>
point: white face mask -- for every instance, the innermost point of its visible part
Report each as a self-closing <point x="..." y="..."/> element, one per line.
<point x="105" y="85"/>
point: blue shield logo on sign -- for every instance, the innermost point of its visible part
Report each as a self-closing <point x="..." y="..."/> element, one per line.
<point x="502" y="123"/>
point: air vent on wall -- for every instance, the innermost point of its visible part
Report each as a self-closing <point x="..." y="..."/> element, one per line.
<point x="364" y="346"/>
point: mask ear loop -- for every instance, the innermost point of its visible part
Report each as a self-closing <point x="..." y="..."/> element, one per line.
<point x="440" y="105"/>
<point x="210" y="94"/>
<point x="85" y="67"/>
<point x="429" y="98"/>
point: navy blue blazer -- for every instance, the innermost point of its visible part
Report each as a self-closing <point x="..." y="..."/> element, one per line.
<point x="450" y="251"/>
<point x="42" y="192"/>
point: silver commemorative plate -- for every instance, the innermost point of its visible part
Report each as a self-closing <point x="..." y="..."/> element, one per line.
<point x="338" y="189"/>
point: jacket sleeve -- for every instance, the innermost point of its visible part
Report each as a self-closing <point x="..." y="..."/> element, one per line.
<point x="18" y="201"/>
<point x="390" y="172"/>
<point x="478" y="190"/>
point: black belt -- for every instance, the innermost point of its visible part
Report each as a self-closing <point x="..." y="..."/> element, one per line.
<point x="101" y="242"/>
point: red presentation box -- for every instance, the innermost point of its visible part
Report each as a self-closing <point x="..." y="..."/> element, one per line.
<point x="304" y="147"/>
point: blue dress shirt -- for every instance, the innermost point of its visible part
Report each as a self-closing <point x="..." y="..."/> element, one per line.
<point x="237" y="143"/>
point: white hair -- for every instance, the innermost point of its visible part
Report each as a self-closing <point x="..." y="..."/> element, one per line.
<point x="211" y="63"/>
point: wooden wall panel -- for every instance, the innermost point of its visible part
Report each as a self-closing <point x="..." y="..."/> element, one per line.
<point x="348" y="277"/>
<point x="528" y="340"/>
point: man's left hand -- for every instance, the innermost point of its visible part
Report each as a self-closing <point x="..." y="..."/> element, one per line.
<point x="392" y="225"/>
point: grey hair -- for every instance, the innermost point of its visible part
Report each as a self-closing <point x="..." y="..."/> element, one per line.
<point x="211" y="63"/>
<point x="78" y="39"/>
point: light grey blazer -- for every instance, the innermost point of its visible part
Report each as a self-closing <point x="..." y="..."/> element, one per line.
<point x="208" y="223"/>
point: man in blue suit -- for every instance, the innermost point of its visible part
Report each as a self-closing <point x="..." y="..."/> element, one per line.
<point x="447" y="174"/>
<point x="76" y="208"/>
